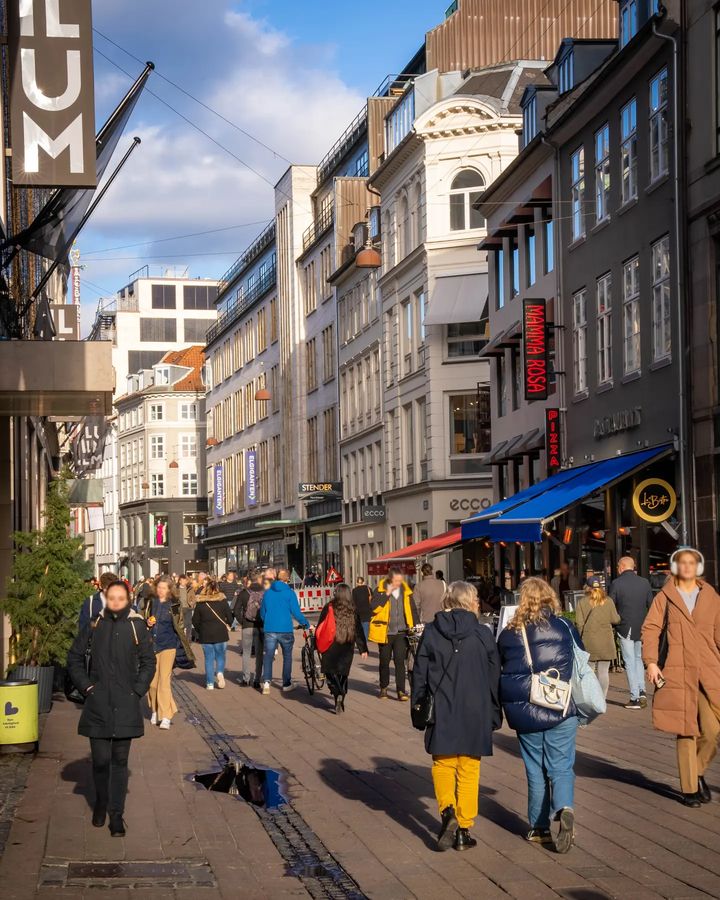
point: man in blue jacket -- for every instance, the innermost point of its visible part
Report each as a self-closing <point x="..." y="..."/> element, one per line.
<point x="278" y="609"/>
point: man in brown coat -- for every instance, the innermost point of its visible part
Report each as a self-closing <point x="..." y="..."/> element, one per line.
<point x="687" y="686"/>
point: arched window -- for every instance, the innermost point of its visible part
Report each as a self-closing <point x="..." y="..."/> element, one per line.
<point x="417" y="212"/>
<point x="465" y="190"/>
<point x="402" y="228"/>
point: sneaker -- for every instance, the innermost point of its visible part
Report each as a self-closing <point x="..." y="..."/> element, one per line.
<point x="403" y="697"/>
<point x="288" y="687"/>
<point x="153" y="719"/>
<point x="634" y="704"/>
<point x="464" y="840"/>
<point x="209" y="687"/>
<point x="643" y="700"/>
<point x="446" y="835"/>
<point x="539" y="836"/>
<point x="220" y="680"/>
<point x="266" y="687"/>
<point x="566" y="835"/>
<point x="383" y="695"/>
<point x="165" y="724"/>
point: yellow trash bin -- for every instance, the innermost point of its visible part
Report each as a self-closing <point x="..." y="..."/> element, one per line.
<point x="18" y="715"/>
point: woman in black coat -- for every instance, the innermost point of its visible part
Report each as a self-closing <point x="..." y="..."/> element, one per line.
<point x="211" y="620"/>
<point x="338" y="658"/>
<point x="122" y="665"/>
<point x="546" y="736"/>
<point x="457" y="662"/>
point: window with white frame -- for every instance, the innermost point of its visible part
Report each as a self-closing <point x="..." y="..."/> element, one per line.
<point x="602" y="173"/>
<point x="631" y="316"/>
<point x="577" y="169"/>
<point x="157" y="412"/>
<point x="465" y="190"/>
<point x="659" y="125"/>
<point x="157" y="484"/>
<point x="628" y="151"/>
<point x="408" y="336"/>
<point x="157" y="446"/>
<point x="162" y="375"/>
<point x="189" y="484"/>
<point x="604" y="329"/>
<point x="188" y="412"/>
<point x="628" y="21"/>
<point x="662" y="338"/>
<point x="580" y="341"/>
<point x="188" y="446"/>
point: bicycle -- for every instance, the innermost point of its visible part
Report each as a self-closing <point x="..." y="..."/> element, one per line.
<point x="310" y="659"/>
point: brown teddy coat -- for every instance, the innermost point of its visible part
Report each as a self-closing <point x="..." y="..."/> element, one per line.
<point x="693" y="660"/>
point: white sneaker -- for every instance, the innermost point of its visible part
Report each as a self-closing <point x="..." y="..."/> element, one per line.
<point x="266" y="687"/>
<point x="153" y="719"/>
<point x="220" y="680"/>
<point x="165" y="724"/>
<point x="288" y="687"/>
<point x="209" y="687"/>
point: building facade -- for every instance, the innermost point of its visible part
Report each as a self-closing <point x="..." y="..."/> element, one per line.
<point x="161" y="436"/>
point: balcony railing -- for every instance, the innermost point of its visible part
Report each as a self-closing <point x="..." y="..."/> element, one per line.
<point x="342" y="145"/>
<point x="240" y="305"/>
<point x="252" y="252"/>
<point x="319" y="226"/>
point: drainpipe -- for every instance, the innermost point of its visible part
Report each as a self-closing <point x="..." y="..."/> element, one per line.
<point x="679" y="264"/>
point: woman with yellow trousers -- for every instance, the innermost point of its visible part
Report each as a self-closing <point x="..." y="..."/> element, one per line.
<point x="457" y="663"/>
<point x="164" y="620"/>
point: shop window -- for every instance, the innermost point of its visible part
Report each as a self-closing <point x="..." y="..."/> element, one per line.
<point x="159" y="530"/>
<point x="194" y="527"/>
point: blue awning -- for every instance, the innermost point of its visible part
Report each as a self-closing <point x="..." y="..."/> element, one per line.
<point x="522" y="516"/>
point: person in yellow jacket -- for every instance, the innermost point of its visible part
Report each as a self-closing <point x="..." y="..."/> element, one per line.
<point x="393" y="615"/>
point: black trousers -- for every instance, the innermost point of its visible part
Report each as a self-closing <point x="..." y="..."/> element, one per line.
<point x="396" y="647"/>
<point x="337" y="684"/>
<point x="110" y="771"/>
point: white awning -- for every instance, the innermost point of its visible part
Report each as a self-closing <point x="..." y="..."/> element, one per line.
<point x="457" y="298"/>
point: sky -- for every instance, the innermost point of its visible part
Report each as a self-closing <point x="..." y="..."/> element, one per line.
<point x="291" y="75"/>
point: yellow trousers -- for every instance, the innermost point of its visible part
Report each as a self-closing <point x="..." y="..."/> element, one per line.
<point x="457" y="781"/>
<point x="694" y="754"/>
<point x="160" y="695"/>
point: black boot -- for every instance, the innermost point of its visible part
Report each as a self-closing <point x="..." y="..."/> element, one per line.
<point x="99" y="814"/>
<point x="339" y="708"/>
<point x="704" y="790"/>
<point x="691" y="800"/>
<point x="446" y="835"/>
<point x="117" y="825"/>
<point x="464" y="840"/>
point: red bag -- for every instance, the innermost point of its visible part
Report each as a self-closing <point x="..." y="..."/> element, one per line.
<point x="325" y="632"/>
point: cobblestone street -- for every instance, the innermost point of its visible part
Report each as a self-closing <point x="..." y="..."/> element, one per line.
<point x="361" y="810"/>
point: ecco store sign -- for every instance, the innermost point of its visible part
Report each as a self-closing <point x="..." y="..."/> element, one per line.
<point x="466" y="505"/>
<point x="52" y="95"/>
<point x="623" y="420"/>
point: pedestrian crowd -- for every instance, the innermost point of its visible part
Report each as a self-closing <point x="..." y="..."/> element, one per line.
<point x="543" y="674"/>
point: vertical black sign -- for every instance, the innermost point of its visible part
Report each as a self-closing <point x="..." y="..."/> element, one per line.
<point x="52" y="96"/>
<point x="535" y="350"/>
<point x="553" y="440"/>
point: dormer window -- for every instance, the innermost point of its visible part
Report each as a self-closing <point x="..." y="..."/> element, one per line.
<point x="530" y="120"/>
<point x="162" y="375"/>
<point x="628" y="21"/>
<point x="566" y="72"/>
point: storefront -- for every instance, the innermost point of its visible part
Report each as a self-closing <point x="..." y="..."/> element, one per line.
<point x="589" y="516"/>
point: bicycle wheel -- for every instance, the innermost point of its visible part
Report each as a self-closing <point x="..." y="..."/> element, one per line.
<point x="308" y="670"/>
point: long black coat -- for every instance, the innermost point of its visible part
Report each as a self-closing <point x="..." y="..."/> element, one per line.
<point x="457" y="660"/>
<point x="121" y="669"/>
<point x="338" y="658"/>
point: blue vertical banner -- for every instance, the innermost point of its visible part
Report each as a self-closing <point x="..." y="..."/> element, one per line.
<point x="219" y="492"/>
<point x="251" y="478"/>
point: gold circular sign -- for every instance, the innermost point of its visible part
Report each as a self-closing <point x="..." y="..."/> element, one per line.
<point x="654" y="500"/>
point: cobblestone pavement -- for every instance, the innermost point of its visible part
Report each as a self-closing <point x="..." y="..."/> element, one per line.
<point x="360" y="784"/>
<point x="14" y="769"/>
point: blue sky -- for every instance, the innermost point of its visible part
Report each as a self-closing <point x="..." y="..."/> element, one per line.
<point x="291" y="74"/>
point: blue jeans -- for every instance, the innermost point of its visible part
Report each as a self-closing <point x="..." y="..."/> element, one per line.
<point x="286" y="640"/>
<point x="214" y="661"/>
<point x="366" y="629"/>
<point x="634" y="669"/>
<point x="549" y="758"/>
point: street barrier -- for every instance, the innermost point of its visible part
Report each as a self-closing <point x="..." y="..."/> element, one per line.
<point x="313" y="599"/>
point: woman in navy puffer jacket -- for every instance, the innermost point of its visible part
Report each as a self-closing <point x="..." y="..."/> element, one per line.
<point x="546" y="736"/>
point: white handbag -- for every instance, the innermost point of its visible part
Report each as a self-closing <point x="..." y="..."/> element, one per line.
<point x="547" y="689"/>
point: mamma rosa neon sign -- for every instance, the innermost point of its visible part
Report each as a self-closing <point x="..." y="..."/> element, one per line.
<point x="535" y="349"/>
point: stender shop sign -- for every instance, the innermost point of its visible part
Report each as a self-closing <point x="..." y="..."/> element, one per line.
<point x="535" y="349"/>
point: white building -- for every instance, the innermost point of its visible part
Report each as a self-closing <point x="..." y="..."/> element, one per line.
<point x="146" y="319"/>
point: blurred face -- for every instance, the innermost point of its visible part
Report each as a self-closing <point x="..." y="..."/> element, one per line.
<point x="231" y="576"/>
<point x="564" y="570"/>
<point x="163" y="590"/>
<point x="396" y="581"/>
<point x="116" y="598"/>
<point x="687" y="564"/>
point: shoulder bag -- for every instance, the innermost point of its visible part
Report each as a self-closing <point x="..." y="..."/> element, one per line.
<point x="663" y="645"/>
<point x="422" y="713"/>
<point x="71" y="692"/>
<point x="547" y="689"/>
<point x="229" y="629"/>
<point x="587" y="694"/>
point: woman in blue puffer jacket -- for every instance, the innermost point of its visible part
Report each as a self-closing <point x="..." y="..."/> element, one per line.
<point x="546" y="736"/>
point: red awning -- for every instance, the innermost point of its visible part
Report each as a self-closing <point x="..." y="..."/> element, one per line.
<point x="424" y="548"/>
